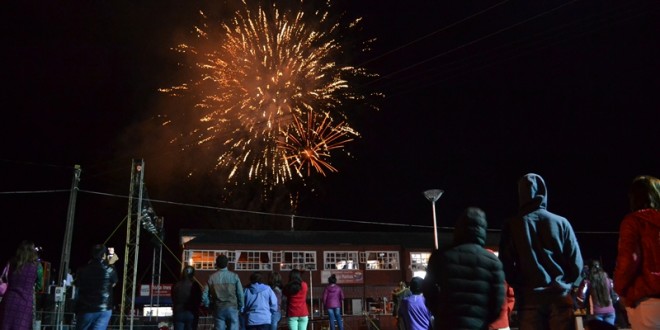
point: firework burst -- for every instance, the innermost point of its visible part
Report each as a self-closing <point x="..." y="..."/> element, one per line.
<point x="270" y="97"/>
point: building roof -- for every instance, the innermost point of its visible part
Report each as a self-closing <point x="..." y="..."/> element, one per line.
<point x="419" y="240"/>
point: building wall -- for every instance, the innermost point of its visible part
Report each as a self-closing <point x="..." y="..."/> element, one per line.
<point x="376" y="287"/>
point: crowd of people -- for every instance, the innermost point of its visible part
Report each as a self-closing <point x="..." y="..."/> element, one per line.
<point x="539" y="272"/>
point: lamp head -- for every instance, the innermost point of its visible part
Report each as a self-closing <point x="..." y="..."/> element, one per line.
<point x="433" y="194"/>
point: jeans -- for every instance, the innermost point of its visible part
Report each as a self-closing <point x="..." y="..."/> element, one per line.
<point x="226" y="318"/>
<point x="551" y="313"/>
<point x="93" y="321"/>
<point x="298" y="322"/>
<point x="184" y="321"/>
<point x="606" y="317"/>
<point x="335" y="317"/>
<point x="275" y="319"/>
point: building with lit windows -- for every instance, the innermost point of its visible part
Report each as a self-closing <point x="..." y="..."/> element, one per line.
<point x="368" y="265"/>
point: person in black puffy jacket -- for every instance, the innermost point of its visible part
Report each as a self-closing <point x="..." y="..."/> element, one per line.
<point x="464" y="285"/>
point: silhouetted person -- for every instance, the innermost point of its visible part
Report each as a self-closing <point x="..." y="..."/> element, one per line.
<point x="464" y="285"/>
<point x="95" y="282"/>
<point x="186" y="300"/>
<point x="413" y="311"/>
<point x="597" y="292"/>
<point x="25" y="275"/>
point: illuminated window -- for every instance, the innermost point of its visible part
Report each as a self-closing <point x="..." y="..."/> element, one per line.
<point x="253" y="260"/>
<point x="418" y="263"/>
<point x="340" y="260"/>
<point x="303" y="260"/>
<point x="380" y="260"/>
<point x="205" y="259"/>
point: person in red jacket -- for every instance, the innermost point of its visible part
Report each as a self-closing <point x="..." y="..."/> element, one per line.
<point x="502" y="322"/>
<point x="637" y="271"/>
<point x="296" y="294"/>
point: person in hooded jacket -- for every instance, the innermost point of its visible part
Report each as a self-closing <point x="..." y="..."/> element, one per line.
<point x="541" y="258"/>
<point x="464" y="285"/>
<point x="637" y="271"/>
<point x="333" y="295"/>
<point x="260" y="303"/>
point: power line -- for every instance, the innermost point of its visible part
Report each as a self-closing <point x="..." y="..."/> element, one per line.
<point x="280" y="215"/>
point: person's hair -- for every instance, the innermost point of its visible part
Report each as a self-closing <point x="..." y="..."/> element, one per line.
<point x="221" y="261"/>
<point x="295" y="282"/>
<point x="599" y="285"/>
<point x="98" y="251"/>
<point x="188" y="272"/>
<point x="25" y="254"/>
<point x="332" y="279"/>
<point x="416" y="285"/>
<point x="256" y="278"/>
<point x="644" y="193"/>
<point x="275" y="280"/>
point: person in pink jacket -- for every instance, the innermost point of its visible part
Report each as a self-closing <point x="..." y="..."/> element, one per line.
<point x="637" y="271"/>
<point x="333" y="295"/>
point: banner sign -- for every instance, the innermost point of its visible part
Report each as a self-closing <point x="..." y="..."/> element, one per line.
<point x="164" y="290"/>
<point x="344" y="276"/>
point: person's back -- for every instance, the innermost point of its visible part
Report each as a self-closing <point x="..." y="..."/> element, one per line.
<point x="541" y="259"/>
<point x="16" y="307"/>
<point x="413" y="311"/>
<point x="94" y="282"/>
<point x="397" y="297"/>
<point x="224" y="294"/>
<point x="333" y="296"/>
<point x="186" y="300"/>
<point x="296" y="297"/>
<point x="596" y="292"/>
<point x="260" y="303"/>
<point x="637" y="272"/>
<point x="464" y="285"/>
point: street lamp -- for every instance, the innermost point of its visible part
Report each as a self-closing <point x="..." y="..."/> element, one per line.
<point x="433" y="195"/>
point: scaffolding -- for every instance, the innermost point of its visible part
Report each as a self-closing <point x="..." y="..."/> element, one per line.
<point x="132" y="247"/>
<point x="141" y="215"/>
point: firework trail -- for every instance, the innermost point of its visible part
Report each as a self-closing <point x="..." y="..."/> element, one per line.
<point x="270" y="97"/>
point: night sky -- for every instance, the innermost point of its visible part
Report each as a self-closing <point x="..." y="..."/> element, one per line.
<point x="477" y="94"/>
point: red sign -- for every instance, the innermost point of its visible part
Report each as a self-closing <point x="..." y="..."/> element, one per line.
<point x="164" y="290"/>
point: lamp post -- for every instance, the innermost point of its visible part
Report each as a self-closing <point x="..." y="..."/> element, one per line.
<point x="433" y="195"/>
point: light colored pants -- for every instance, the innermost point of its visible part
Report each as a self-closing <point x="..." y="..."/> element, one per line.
<point x="646" y="316"/>
<point x="298" y="322"/>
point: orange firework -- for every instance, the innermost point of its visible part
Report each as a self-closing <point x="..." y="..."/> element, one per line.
<point x="256" y="77"/>
<point x="309" y="144"/>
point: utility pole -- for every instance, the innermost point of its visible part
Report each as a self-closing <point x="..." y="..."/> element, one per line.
<point x="66" y="246"/>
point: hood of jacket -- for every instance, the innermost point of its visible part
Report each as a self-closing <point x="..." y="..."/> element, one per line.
<point x="471" y="227"/>
<point x="258" y="287"/>
<point x="651" y="216"/>
<point x="532" y="193"/>
<point x="332" y="288"/>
